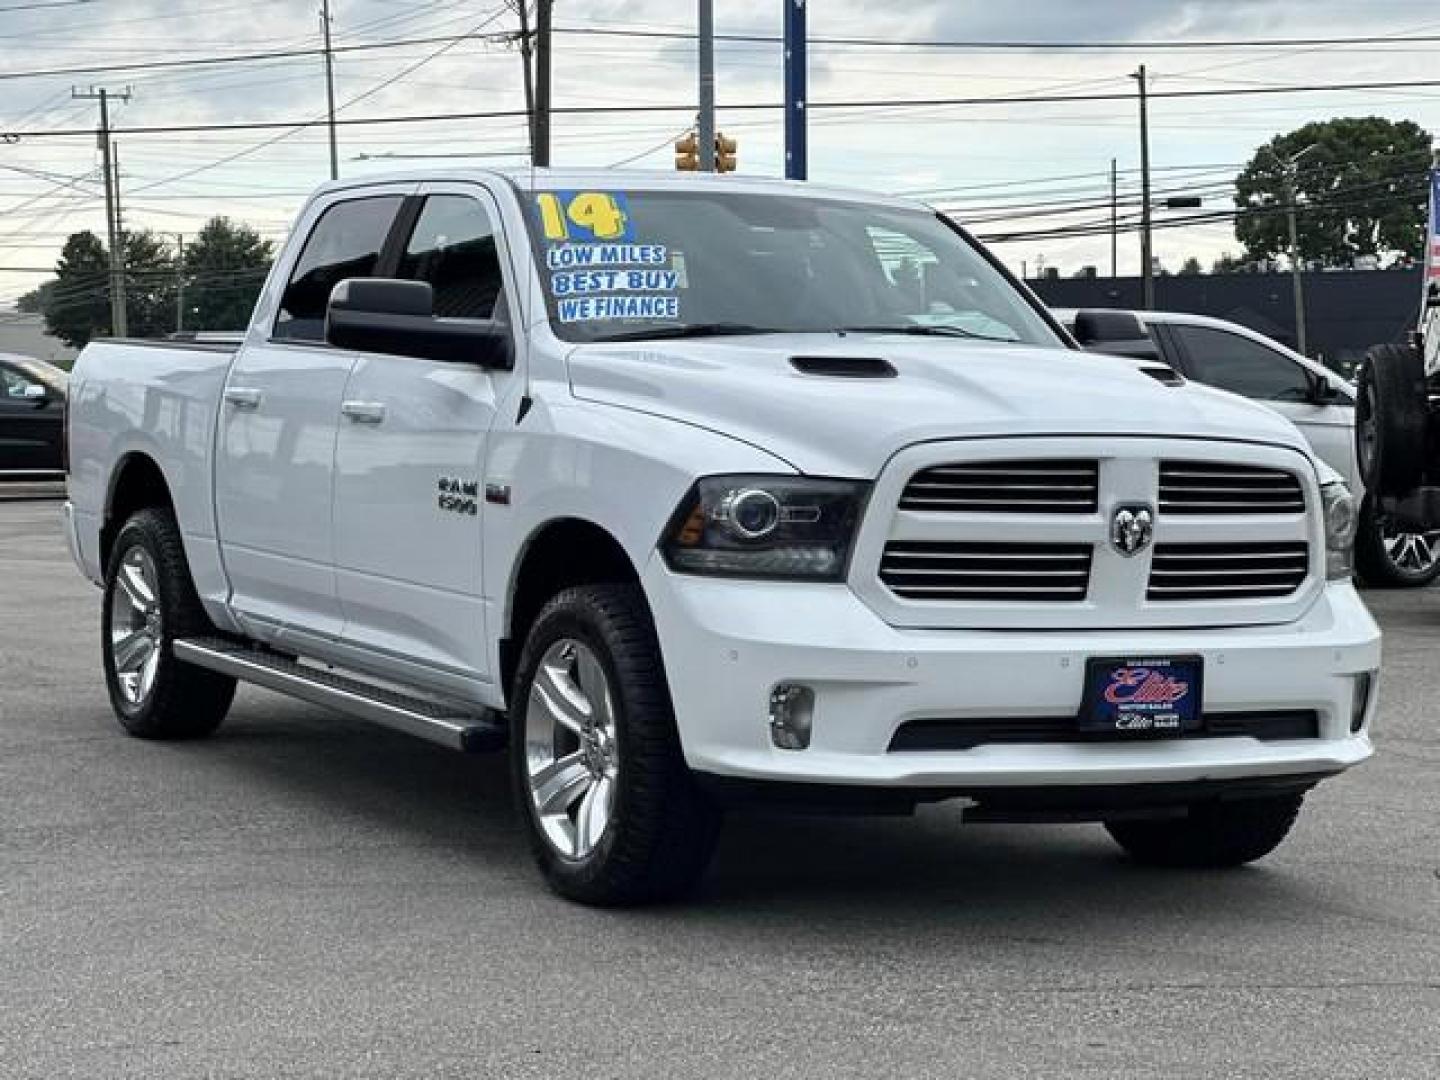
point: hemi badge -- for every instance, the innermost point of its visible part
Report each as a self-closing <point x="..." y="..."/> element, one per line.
<point x="499" y="494"/>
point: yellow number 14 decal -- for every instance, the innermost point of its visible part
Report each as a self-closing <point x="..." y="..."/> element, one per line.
<point x="583" y="216"/>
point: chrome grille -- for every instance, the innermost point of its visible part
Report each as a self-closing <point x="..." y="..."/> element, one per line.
<point x="1039" y="573"/>
<point x="1005" y="487"/>
<point x="1226" y="571"/>
<point x="1195" y="487"/>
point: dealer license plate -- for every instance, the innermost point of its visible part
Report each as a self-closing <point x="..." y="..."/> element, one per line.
<point x="1142" y="696"/>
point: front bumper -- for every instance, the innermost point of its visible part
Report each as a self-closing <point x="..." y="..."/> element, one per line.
<point x="727" y="643"/>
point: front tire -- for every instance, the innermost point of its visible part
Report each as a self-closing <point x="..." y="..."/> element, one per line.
<point x="1211" y="835"/>
<point x="613" y="814"/>
<point x="150" y="601"/>
<point x="1387" y="558"/>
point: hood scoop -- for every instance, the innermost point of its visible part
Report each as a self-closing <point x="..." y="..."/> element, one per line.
<point x="844" y="367"/>
<point x="1163" y="373"/>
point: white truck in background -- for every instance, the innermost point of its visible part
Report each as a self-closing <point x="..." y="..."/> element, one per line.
<point x="690" y="490"/>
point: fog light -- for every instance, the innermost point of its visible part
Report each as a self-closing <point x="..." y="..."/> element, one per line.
<point x="792" y="713"/>
<point x="1361" y="700"/>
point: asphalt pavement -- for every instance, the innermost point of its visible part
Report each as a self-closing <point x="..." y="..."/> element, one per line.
<point x="307" y="896"/>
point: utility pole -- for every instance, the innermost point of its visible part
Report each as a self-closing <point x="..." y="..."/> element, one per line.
<point x="1147" y="261"/>
<point x="797" y="164"/>
<point x="542" y="82"/>
<point x="527" y="50"/>
<point x="330" y="88"/>
<point x="705" y="125"/>
<point x="1296" y="269"/>
<point x="121" y="256"/>
<point x="1289" y="169"/>
<point x="101" y="94"/>
<point x="179" y="282"/>
<point x="1114" y="221"/>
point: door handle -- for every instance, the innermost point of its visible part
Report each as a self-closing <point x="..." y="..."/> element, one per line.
<point x="363" y="412"/>
<point x="242" y="398"/>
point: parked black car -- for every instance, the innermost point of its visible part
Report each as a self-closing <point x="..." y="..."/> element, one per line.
<point x="32" y="418"/>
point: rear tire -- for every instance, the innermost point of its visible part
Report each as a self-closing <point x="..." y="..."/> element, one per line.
<point x="150" y="601"/>
<point x="613" y="813"/>
<point x="1212" y="835"/>
<point x="1391" y="560"/>
<point x="1390" y="419"/>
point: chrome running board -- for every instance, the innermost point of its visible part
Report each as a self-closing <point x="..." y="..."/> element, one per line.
<point x="449" y="725"/>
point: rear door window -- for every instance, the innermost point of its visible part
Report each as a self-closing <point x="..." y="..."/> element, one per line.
<point x="453" y="249"/>
<point x="345" y="243"/>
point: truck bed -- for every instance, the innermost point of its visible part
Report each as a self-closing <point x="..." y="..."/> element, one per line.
<point x="132" y="399"/>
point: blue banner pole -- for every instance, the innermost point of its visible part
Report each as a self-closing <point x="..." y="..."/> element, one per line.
<point x="796" y="163"/>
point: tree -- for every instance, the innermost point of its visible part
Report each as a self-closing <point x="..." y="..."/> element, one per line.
<point x="1229" y="264"/>
<point x="1191" y="266"/>
<point x="225" y="267"/>
<point x="149" y="286"/>
<point x="79" y="305"/>
<point x="34" y="301"/>
<point x="1360" y="189"/>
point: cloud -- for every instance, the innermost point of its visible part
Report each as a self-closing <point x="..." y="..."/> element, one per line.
<point x="1108" y="20"/>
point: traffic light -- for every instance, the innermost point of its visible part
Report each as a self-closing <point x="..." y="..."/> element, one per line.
<point x="724" y="153"/>
<point x="687" y="153"/>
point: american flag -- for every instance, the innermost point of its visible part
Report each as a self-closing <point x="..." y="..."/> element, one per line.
<point x="1432" y="250"/>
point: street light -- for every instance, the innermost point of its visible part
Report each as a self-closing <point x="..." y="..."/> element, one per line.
<point x="1288" y="170"/>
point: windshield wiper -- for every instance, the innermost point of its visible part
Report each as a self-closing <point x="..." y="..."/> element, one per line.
<point x="921" y="330"/>
<point x="689" y="330"/>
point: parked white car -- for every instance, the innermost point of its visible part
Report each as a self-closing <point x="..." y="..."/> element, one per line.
<point x="1318" y="401"/>
<point x="703" y="489"/>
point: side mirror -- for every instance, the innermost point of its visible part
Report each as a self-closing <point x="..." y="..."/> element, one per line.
<point x="387" y="315"/>
<point x="1323" y="391"/>
<point x="1104" y="327"/>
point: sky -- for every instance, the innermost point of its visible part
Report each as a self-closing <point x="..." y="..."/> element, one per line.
<point x="988" y="163"/>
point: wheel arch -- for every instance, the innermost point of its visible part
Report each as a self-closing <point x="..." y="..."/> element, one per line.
<point x="136" y="483"/>
<point x="559" y="554"/>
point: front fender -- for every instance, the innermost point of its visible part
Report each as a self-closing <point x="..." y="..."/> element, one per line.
<point x="621" y="470"/>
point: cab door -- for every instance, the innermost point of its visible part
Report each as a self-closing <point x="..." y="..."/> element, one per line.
<point x="409" y="460"/>
<point x="274" y="480"/>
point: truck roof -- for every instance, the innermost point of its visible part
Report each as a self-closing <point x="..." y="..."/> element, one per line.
<point x="623" y="179"/>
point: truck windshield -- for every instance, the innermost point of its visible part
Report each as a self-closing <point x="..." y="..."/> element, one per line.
<point x="633" y="265"/>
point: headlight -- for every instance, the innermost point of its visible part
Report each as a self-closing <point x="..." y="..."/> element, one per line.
<point x="766" y="527"/>
<point x="1341" y="518"/>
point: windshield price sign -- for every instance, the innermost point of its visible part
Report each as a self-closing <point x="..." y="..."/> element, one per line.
<point x="584" y="217"/>
<point x="596" y="270"/>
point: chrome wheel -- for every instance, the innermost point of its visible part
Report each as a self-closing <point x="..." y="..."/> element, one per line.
<point x="135" y="626"/>
<point x="1415" y="553"/>
<point x="572" y="758"/>
<point x="1367" y="432"/>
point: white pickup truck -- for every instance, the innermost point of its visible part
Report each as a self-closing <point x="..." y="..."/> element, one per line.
<point x="696" y="490"/>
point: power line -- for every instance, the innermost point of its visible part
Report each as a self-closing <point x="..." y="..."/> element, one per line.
<point x="507" y="36"/>
<point x="756" y="106"/>
<point x="1019" y="46"/>
<point x="247" y="58"/>
<point x="43" y="4"/>
<point x="1210" y="217"/>
<point x="330" y="119"/>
